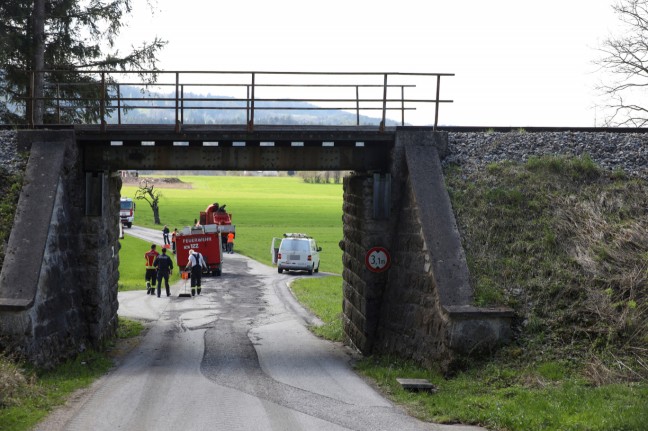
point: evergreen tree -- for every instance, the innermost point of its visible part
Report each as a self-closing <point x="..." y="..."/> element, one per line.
<point x="66" y="36"/>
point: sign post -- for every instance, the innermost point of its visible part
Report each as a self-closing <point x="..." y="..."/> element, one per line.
<point x="377" y="259"/>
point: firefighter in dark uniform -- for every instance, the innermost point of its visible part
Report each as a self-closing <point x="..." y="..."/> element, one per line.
<point x="164" y="266"/>
<point x="151" y="275"/>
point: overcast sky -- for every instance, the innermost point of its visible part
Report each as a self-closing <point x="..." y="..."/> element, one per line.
<point x="517" y="63"/>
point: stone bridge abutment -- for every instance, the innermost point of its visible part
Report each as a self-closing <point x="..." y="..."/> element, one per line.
<point x="58" y="285"/>
<point x="420" y="308"/>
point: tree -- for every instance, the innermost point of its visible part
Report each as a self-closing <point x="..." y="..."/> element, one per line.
<point x="68" y="36"/>
<point x="146" y="192"/>
<point x="626" y="57"/>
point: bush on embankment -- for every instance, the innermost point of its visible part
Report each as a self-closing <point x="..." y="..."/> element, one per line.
<point x="10" y="186"/>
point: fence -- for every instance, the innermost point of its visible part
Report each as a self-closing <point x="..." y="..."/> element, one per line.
<point x="108" y="97"/>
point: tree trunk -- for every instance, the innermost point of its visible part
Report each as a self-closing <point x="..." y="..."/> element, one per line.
<point x="156" y="214"/>
<point x="38" y="60"/>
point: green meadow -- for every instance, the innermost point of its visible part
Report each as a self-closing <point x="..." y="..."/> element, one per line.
<point x="131" y="264"/>
<point x="261" y="208"/>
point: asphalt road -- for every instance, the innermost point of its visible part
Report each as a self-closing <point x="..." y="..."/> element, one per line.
<point x="237" y="357"/>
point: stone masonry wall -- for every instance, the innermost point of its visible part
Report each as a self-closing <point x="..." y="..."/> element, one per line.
<point x="75" y="301"/>
<point x="412" y="322"/>
<point x="362" y="289"/>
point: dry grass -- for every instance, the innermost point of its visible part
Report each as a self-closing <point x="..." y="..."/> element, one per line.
<point x="14" y="384"/>
<point x="566" y="245"/>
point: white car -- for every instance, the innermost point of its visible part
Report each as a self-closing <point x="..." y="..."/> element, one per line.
<point x="296" y="252"/>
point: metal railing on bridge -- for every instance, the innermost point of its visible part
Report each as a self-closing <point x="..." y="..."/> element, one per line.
<point x="111" y="97"/>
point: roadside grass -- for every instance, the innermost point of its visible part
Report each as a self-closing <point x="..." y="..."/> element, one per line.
<point x="27" y="394"/>
<point x="261" y="207"/>
<point x="131" y="264"/>
<point x="323" y="296"/>
<point x="501" y="397"/>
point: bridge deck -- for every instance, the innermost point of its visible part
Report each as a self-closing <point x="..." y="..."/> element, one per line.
<point x="235" y="147"/>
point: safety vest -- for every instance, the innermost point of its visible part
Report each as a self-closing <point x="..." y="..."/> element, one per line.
<point x="150" y="258"/>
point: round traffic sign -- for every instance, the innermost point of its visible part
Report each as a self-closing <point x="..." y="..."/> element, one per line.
<point x="377" y="259"/>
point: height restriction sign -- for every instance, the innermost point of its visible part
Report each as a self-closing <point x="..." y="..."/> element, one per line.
<point x="377" y="259"/>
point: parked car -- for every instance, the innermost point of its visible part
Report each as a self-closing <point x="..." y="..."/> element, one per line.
<point x="296" y="252"/>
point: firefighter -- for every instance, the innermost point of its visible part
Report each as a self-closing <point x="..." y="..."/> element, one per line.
<point x="174" y="234"/>
<point x="151" y="274"/>
<point x="230" y="243"/>
<point x="164" y="266"/>
<point x="165" y="235"/>
<point x="195" y="264"/>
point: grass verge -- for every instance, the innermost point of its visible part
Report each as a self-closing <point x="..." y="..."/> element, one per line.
<point x="27" y="395"/>
<point x="322" y="296"/>
<point x="540" y="396"/>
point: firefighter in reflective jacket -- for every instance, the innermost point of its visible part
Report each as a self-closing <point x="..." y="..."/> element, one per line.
<point x="196" y="264"/>
<point x="151" y="274"/>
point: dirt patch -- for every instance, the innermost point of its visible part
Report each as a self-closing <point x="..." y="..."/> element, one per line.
<point x="160" y="182"/>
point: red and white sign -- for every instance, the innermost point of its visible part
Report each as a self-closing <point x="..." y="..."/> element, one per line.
<point x="377" y="259"/>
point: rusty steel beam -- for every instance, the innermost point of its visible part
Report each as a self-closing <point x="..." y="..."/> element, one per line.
<point x="281" y="158"/>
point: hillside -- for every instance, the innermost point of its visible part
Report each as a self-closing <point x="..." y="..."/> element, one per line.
<point x="564" y="243"/>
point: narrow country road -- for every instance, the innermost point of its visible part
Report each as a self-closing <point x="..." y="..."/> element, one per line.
<point x="236" y="357"/>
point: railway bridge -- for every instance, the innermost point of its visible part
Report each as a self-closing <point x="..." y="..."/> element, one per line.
<point x="58" y="285"/>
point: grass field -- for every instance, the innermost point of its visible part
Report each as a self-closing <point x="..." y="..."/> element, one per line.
<point x="131" y="264"/>
<point x="261" y="207"/>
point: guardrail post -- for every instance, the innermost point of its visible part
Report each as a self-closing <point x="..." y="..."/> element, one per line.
<point x="384" y="108"/>
<point x="58" y="103"/>
<point x="182" y="103"/>
<point x="251" y="120"/>
<point x="102" y="102"/>
<point x="402" y="105"/>
<point x="247" y="104"/>
<point x="118" y="103"/>
<point x="30" y="101"/>
<point x="436" y="102"/>
<point x="357" y="105"/>
<point x="177" y="102"/>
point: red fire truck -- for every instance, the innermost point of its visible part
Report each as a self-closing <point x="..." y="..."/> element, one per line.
<point x="216" y="215"/>
<point x="206" y="242"/>
<point x="208" y="238"/>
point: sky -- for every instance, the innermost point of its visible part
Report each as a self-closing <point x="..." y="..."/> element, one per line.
<point x="517" y="63"/>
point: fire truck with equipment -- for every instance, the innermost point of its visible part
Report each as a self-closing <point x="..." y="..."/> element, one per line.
<point x="216" y="215"/>
<point x="207" y="239"/>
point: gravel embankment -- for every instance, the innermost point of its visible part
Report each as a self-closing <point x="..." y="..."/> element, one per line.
<point x="626" y="151"/>
<point x="8" y="153"/>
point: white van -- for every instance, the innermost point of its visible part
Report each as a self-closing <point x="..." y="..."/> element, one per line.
<point x="296" y="252"/>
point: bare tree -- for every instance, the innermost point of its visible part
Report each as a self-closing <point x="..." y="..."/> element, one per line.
<point x="626" y="57"/>
<point x="146" y="191"/>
